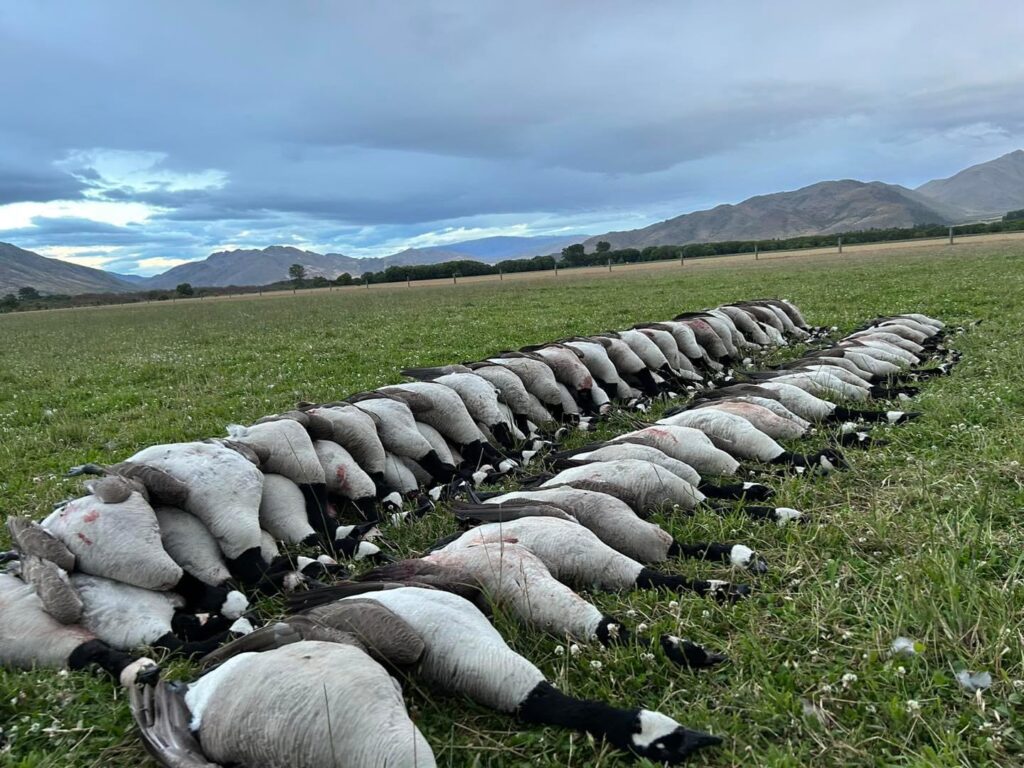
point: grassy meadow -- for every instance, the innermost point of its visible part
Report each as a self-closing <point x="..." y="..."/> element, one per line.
<point x="920" y="538"/>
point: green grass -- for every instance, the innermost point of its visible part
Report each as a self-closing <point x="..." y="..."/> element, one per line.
<point x="921" y="538"/>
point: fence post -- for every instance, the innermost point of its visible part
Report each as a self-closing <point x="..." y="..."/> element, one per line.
<point x="609" y="263"/>
<point x="840" y="244"/>
<point x="950" y="235"/>
<point x="455" y="279"/>
<point x="501" y="276"/>
<point x="556" y="267"/>
<point x="756" y="255"/>
<point x="408" y="281"/>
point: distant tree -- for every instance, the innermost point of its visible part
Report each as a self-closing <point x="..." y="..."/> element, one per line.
<point x="28" y="293"/>
<point x="319" y="282"/>
<point x="8" y="303"/>
<point x="1014" y="215"/>
<point x="573" y="251"/>
<point x="343" y="279"/>
<point x="297" y="273"/>
<point x="367" y="277"/>
<point x="185" y="289"/>
<point x="603" y="246"/>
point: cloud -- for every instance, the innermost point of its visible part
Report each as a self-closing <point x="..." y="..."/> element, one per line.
<point x="359" y="128"/>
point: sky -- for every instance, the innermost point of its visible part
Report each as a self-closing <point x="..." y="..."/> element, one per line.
<point x="135" y="136"/>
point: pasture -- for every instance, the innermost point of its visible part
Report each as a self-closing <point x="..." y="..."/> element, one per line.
<point x="921" y="538"/>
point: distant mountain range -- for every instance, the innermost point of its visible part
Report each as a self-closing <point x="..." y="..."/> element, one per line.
<point x="269" y="265"/>
<point x="986" y="190"/>
<point x="981" y="191"/>
<point x="21" y="269"/>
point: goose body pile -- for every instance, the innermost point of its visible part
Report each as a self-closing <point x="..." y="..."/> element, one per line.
<point x="155" y="552"/>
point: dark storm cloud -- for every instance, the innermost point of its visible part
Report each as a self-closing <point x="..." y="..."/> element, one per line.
<point x="354" y="125"/>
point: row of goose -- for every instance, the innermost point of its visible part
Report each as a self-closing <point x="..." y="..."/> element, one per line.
<point x="603" y="491"/>
<point x="174" y="527"/>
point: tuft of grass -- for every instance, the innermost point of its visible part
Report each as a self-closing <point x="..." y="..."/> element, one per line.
<point x="921" y="538"/>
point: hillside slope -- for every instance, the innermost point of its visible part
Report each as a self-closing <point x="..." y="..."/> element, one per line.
<point x="986" y="189"/>
<point x="822" y="208"/>
<point x="20" y="268"/>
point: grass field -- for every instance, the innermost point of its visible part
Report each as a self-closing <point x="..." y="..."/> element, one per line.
<point x="921" y="538"/>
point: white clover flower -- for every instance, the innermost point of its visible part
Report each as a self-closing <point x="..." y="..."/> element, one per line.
<point x="641" y="627"/>
<point x="559" y="650"/>
<point x="631" y="613"/>
<point x="647" y="656"/>
<point x="673" y="604"/>
<point x="595" y="664"/>
<point x="574" y="650"/>
<point x="848" y="679"/>
<point x="847" y="634"/>
<point x="913" y="705"/>
<point x="705" y="614"/>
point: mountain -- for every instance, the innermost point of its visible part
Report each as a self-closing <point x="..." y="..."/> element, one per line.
<point x="986" y="189"/>
<point x="261" y="266"/>
<point x="822" y="208"/>
<point x="20" y="269"/>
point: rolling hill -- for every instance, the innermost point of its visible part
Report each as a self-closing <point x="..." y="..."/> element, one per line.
<point x="822" y="208"/>
<point x="986" y="189"/>
<point x="260" y="266"/>
<point x="20" y="268"/>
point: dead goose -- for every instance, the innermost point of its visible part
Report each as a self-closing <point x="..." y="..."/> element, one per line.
<point x="307" y="704"/>
<point x="396" y="426"/>
<point x="576" y="556"/>
<point x="30" y="637"/>
<point x="743" y="440"/>
<point x="572" y="373"/>
<point x="126" y="617"/>
<point x="346" y="480"/>
<point x="225" y="489"/>
<point x="443" y="408"/>
<point x="614" y="522"/>
<point x="536" y="376"/>
<point x="464" y="655"/>
<point x="685" y="444"/>
<point x="285" y="447"/>
<point x="356" y="431"/>
<point x="511" y="576"/>
<point x="524" y="404"/>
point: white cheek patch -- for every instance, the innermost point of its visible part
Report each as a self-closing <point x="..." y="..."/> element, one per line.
<point x="365" y="549"/>
<point x="394" y="498"/>
<point x="435" y="492"/>
<point x="304" y="561"/>
<point x="784" y="515"/>
<point x="893" y="417"/>
<point x="717" y="585"/>
<point x="235" y="605"/>
<point x="827" y="465"/>
<point x="292" y="581"/>
<point x="741" y="555"/>
<point x="507" y="466"/>
<point x="131" y="673"/>
<point x="479" y="477"/>
<point x="328" y="560"/>
<point x="653" y="726"/>
<point x="241" y="627"/>
<point x="341" y="532"/>
<point x="528" y="457"/>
